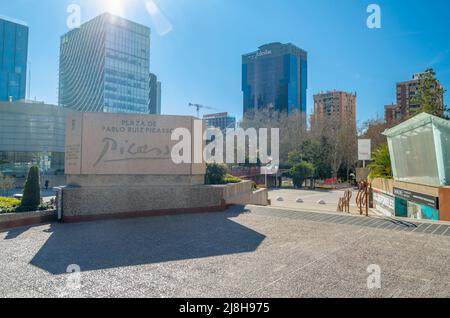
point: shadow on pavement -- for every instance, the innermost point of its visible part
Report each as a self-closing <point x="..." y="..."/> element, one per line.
<point x="16" y="232"/>
<point x="111" y="244"/>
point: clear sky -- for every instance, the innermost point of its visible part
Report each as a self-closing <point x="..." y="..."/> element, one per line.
<point x="197" y="45"/>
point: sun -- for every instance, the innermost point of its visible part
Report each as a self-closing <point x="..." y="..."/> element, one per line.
<point x="116" y="7"/>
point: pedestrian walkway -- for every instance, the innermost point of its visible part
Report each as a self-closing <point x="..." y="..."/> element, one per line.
<point x="310" y="200"/>
<point x="385" y="223"/>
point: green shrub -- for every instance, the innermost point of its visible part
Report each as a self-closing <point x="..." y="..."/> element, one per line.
<point x="215" y="173"/>
<point x="9" y="201"/>
<point x="381" y="165"/>
<point x="11" y="205"/>
<point x="41" y="207"/>
<point x="8" y="205"/>
<point x="232" y="179"/>
<point x="31" y="193"/>
<point x="254" y="186"/>
<point x="300" y="172"/>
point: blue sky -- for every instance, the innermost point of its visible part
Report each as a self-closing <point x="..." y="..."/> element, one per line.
<point x="199" y="60"/>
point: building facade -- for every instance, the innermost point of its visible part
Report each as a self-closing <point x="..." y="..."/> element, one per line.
<point x="155" y="95"/>
<point x="220" y="120"/>
<point x="13" y="59"/>
<point x="334" y="107"/>
<point x="104" y="66"/>
<point x="31" y="134"/>
<point x="275" y="77"/>
<point x="390" y="114"/>
<point x="406" y="92"/>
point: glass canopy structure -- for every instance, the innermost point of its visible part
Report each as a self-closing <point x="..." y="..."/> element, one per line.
<point x="420" y="150"/>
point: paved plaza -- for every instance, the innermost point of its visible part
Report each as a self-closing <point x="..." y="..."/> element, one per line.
<point x="245" y="252"/>
<point x="310" y="199"/>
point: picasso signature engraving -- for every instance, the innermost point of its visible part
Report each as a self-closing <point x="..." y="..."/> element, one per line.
<point x="124" y="151"/>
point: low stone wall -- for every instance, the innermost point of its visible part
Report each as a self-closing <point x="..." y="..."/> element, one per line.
<point x="86" y="203"/>
<point x="11" y="220"/>
<point x="242" y="194"/>
<point x="384" y="185"/>
<point x="96" y="203"/>
<point x="443" y="193"/>
<point x="93" y="203"/>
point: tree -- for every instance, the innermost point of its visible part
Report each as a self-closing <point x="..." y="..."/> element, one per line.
<point x="373" y="129"/>
<point x="381" y="165"/>
<point x="32" y="192"/>
<point x="6" y="183"/>
<point x="300" y="172"/>
<point x="292" y="130"/>
<point x="215" y="173"/>
<point x="315" y="151"/>
<point x="430" y="95"/>
<point x="348" y="144"/>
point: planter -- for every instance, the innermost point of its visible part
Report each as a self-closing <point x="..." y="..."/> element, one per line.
<point x="11" y="220"/>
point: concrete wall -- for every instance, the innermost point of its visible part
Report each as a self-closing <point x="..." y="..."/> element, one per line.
<point x="102" y="202"/>
<point x="443" y="193"/>
<point x="11" y="220"/>
<point x="242" y="193"/>
<point x="384" y="185"/>
<point x="99" y="202"/>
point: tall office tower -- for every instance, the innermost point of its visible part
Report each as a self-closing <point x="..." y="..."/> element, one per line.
<point x="155" y="95"/>
<point x="13" y="59"/>
<point x="406" y="91"/>
<point x="334" y="108"/>
<point x="220" y="120"/>
<point x="275" y="77"/>
<point x="104" y="66"/>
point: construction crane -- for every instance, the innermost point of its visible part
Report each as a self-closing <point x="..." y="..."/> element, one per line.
<point x="198" y="107"/>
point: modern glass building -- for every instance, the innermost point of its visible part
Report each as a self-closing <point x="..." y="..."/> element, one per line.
<point x="104" y="66"/>
<point x="420" y="157"/>
<point x="220" y="120"/>
<point x="31" y="134"/>
<point x="275" y="77"/>
<point x="13" y="59"/>
<point x="420" y="150"/>
<point x="155" y="95"/>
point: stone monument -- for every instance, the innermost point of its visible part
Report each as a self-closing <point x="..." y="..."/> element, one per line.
<point x="120" y="165"/>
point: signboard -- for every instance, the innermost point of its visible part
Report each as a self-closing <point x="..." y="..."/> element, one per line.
<point x="120" y="144"/>
<point x="364" y="149"/>
<point x="384" y="203"/>
<point x="419" y="198"/>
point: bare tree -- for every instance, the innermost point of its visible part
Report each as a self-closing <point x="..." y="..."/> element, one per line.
<point x="342" y="139"/>
<point x="292" y="128"/>
<point x="373" y="129"/>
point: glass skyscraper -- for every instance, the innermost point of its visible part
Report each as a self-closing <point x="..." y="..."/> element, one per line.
<point x="13" y="59"/>
<point x="104" y="66"/>
<point x="155" y="95"/>
<point x="275" y="77"/>
<point x="31" y="134"/>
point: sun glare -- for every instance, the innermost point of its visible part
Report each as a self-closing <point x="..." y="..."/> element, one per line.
<point x="116" y="7"/>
